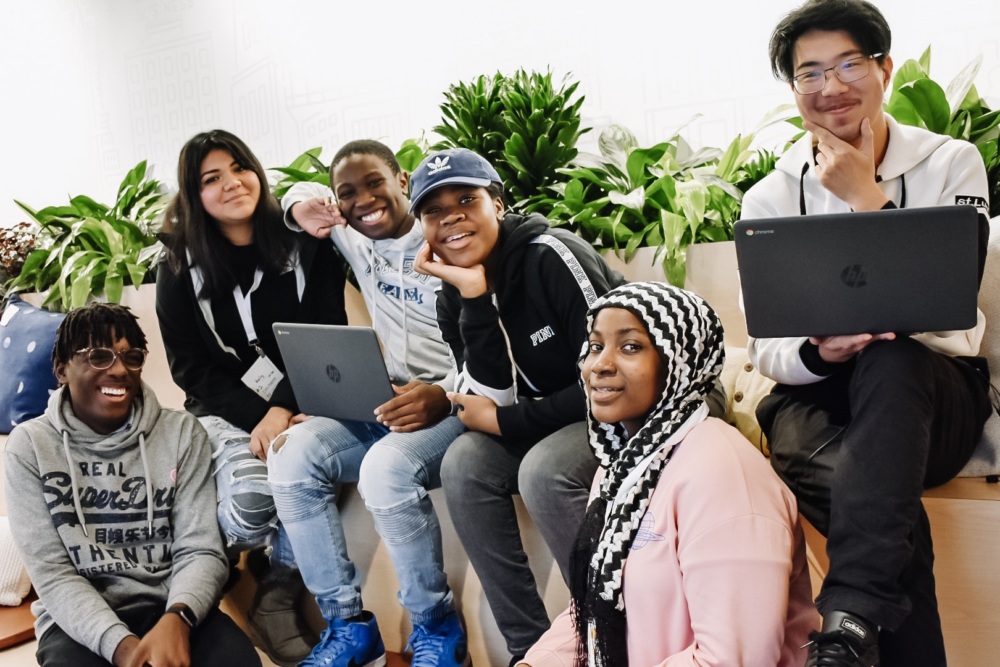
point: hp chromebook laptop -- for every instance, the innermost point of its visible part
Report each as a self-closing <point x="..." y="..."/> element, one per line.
<point x="335" y="371"/>
<point x="898" y="270"/>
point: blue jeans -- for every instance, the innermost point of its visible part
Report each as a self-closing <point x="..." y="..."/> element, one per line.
<point x="394" y="471"/>
<point x="247" y="516"/>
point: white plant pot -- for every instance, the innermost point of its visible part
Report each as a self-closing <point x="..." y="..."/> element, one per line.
<point x="711" y="274"/>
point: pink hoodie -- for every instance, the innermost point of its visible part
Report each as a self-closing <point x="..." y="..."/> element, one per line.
<point x="717" y="574"/>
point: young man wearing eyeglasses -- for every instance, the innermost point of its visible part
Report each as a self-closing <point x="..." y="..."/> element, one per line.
<point x="112" y="504"/>
<point x="859" y="425"/>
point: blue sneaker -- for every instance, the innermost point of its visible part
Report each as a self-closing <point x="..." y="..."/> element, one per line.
<point x="440" y="643"/>
<point x="345" y="644"/>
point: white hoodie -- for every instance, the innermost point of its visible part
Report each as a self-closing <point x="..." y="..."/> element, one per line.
<point x="401" y="302"/>
<point x="937" y="171"/>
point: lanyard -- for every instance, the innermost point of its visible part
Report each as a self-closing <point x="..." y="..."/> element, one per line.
<point x="243" y="305"/>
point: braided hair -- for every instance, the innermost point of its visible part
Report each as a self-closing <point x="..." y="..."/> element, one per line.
<point x="688" y="336"/>
<point x="96" y="325"/>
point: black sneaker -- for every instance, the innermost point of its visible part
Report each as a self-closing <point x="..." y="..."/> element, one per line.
<point x="846" y="641"/>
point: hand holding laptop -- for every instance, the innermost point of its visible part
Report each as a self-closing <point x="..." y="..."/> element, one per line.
<point x="838" y="349"/>
<point x="416" y="405"/>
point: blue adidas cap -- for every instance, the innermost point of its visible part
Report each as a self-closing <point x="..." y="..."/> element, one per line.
<point x="454" y="166"/>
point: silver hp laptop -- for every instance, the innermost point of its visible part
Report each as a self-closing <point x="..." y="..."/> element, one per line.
<point x="898" y="270"/>
<point x="335" y="371"/>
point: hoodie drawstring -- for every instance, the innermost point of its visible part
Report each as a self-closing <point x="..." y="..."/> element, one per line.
<point x="72" y="480"/>
<point x="406" y="331"/>
<point x="78" y="506"/>
<point x="145" y="474"/>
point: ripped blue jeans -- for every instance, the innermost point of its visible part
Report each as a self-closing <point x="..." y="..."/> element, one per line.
<point x="394" y="471"/>
<point x="247" y="516"/>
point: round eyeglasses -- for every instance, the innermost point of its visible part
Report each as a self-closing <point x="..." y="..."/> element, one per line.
<point x="103" y="358"/>
<point x="846" y="71"/>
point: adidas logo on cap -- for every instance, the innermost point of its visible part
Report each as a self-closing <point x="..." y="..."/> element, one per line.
<point x="438" y="164"/>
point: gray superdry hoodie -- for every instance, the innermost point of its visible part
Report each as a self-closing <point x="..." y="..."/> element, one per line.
<point x="92" y="542"/>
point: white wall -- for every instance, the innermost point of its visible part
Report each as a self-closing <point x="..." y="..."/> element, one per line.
<point x="90" y="87"/>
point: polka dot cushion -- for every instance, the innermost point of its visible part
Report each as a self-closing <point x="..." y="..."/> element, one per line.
<point x="27" y="335"/>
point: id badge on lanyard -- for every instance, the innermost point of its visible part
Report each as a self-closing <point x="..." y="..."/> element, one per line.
<point x="263" y="377"/>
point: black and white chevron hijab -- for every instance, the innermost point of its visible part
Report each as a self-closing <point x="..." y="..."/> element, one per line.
<point x="688" y="336"/>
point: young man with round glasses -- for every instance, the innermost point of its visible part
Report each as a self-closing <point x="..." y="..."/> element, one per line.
<point x="112" y="504"/>
<point x="859" y="425"/>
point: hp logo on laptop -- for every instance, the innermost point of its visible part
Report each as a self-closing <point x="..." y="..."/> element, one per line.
<point x="854" y="276"/>
<point x="333" y="372"/>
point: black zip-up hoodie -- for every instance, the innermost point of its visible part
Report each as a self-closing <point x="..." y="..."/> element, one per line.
<point x="542" y="281"/>
<point x="211" y="376"/>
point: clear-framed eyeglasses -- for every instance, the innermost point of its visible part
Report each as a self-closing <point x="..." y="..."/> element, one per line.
<point x="846" y="71"/>
<point x="103" y="358"/>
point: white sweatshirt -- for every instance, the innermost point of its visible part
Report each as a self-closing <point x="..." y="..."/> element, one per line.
<point x="401" y="302"/>
<point x="937" y="171"/>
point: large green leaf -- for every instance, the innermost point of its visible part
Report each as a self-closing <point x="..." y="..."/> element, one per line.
<point x="411" y="154"/>
<point x="930" y="103"/>
<point x="910" y="71"/>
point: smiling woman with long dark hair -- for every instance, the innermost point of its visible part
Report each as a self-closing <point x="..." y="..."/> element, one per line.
<point x="232" y="269"/>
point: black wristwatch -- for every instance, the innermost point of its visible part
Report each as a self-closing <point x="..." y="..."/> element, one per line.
<point x="185" y="613"/>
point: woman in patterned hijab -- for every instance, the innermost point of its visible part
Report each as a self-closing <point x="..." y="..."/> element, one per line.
<point x="632" y="438"/>
<point x="699" y="562"/>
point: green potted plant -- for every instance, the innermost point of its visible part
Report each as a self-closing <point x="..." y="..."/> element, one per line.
<point x="88" y="248"/>
<point x="665" y="197"/>
<point x="526" y="125"/>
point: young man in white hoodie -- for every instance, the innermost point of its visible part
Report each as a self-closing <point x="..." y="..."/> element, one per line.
<point x="859" y="425"/>
<point x="397" y="461"/>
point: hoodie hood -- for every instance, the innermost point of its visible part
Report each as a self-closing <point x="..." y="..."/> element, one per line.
<point x="516" y="234"/>
<point x="908" y="147"/>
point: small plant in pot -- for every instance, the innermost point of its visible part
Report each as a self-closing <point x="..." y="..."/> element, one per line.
<point x="16" y="243"/>
<point x="87" y="248"/>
